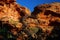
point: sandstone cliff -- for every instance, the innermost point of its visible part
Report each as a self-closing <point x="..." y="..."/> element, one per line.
<point x="18" y="23"/>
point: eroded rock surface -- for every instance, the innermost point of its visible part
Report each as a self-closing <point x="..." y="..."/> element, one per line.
<point x="20" y="24"/>
<point x="48" y="16"/>
<point x="12" y="11"/>
<point x="11" y="14"/>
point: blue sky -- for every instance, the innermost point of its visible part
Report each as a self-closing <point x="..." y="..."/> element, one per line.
<point x="30" y="4"/>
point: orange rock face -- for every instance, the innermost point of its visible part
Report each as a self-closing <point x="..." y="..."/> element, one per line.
<point x="24" y="25"/>
<point x="47" y="15"/>
<point x="12" y="12"/>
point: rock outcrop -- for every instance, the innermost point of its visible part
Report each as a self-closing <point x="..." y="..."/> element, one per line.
<point x="18" y="23"/>
<point x="11" y="14"/>
<point x="48" y="16"/>
<point x="11" y="11"/>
